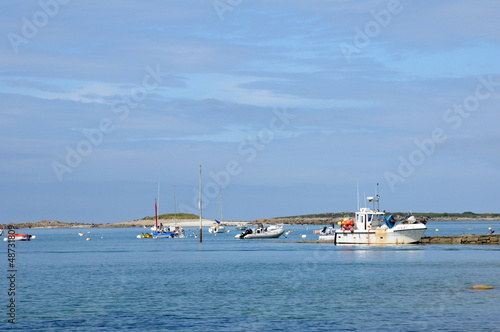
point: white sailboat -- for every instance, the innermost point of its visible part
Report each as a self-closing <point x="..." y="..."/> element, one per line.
<point x="370" y="226"/>
<point x="218" y="227"/>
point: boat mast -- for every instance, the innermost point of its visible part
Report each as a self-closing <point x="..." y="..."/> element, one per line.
<point x="200" y="209"/>
<point x="175" y="207"/>
<point x="220" y="202"/>
<point x="378" y="200"/>
<point x="156" y="216"/>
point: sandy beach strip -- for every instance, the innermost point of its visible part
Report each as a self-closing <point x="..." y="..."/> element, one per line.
<point x="172" y="222"/>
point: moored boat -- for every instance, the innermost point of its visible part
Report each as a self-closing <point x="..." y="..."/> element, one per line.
<point x="217" y="226"/>
<point x="161" y="231"/>
<point x="19" y="237"/>
<point x="241" y="227"/>
<point x="371" y="226"/>
<point x="169" y="232"/>
<point x="261" y="232"/>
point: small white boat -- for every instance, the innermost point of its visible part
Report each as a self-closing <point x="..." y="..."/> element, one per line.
<point x="19" y="237"/>
<point x="217" y="228"/>
<point x="261" y="232"/>
<point x="370" y="226"/>
<point x="241" y="227"/>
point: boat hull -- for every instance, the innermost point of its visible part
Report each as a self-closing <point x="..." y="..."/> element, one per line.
<point x="220" y="229"/>
<point x="167" y="235"/>
<point x="273" y="234"/>
<point x="378" y="236"/>
<point x="20" y="237"/>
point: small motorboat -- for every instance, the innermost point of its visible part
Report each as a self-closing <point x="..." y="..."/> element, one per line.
<point x="261" y="232"/>
<point x="19" y="237"/>
<point x="242" y="227"/>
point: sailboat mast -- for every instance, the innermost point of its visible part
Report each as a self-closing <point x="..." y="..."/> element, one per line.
<point x="201" y="233"/>
<point x="220" y="203"/>
<point x="156" y="216"/>
<point x="175" y="207"/>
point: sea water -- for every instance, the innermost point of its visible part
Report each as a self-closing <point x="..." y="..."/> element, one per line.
<point x="116" y="281"/>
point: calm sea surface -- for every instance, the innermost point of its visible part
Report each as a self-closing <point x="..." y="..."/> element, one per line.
<point x="119" y="282"/>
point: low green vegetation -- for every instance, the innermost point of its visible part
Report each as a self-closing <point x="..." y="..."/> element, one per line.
<point x="173" y="216"/>
<point x="467" y="214"/>
<point x="322" y="215"/>
<point x="432" y="215"/>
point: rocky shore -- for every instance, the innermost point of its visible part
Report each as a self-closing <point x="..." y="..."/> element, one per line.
<point x="462" y="239"/>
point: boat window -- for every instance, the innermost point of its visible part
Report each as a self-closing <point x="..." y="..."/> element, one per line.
<point x="369" y="217"/>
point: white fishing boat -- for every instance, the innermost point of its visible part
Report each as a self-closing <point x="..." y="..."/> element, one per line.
<point x="218" y="227"/>
<point x="261" y="232"/>
<point x="371" y="226"/>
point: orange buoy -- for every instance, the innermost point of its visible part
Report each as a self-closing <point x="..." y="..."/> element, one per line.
<point x="481" y="287"/>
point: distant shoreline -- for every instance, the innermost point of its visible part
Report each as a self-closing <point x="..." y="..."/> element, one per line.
<point x="205" y="222"/>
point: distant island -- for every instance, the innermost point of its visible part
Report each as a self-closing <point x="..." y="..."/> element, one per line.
<point x="309" y="219"/>
<point x="327" y="218"/>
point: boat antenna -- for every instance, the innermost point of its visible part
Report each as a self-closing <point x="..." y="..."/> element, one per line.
<point x="378" y="199"/>
<point x="200" y="209"/>
<point x="357" y="193"/>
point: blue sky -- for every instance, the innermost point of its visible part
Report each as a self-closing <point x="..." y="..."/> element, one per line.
<point x="288" y="104"/>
